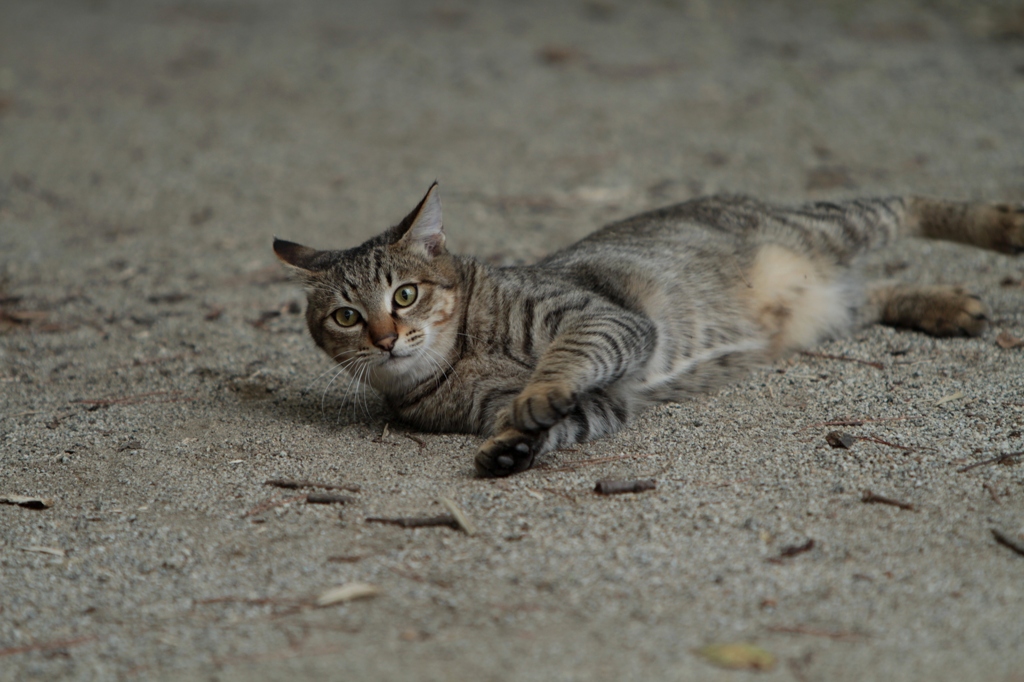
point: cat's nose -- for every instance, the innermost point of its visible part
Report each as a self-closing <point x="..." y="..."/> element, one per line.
<point x="386" y="342"/>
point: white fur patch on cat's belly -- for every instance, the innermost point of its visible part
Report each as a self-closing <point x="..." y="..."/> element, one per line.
<point x="794" y="300"/>
<point x="654" y="380"/>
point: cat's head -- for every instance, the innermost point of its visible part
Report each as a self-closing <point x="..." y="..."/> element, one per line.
<point x="386" y="309"/>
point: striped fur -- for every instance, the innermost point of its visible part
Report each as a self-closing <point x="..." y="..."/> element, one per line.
<point x="659" y="307"/>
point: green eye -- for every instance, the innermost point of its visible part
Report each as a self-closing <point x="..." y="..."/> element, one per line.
<point x="406" y="295"/>
<point x="346" y="317"/>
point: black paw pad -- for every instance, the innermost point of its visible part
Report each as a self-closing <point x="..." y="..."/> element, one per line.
<point x="504" y="457"/>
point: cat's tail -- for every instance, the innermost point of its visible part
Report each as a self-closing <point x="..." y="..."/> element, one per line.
<point x="850" y="228"/>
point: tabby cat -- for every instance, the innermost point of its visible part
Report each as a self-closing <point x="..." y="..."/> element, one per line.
<point x="657" y="307"/>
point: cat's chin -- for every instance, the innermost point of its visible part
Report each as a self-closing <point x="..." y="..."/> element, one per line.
<point x="397" y="373"/>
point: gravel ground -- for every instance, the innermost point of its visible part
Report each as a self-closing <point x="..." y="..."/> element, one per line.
<point x="155" y="371"/>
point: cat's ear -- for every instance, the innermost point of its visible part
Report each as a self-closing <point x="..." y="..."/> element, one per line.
<point x="295" y="255"/>
<point x="423" y="230"/>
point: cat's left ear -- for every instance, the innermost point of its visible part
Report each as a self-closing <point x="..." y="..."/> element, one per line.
<point x="296" y="255"/>
<point x="423" y="230"/>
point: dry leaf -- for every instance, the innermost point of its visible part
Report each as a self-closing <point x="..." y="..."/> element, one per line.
<point x="27" y="502"/>
<point x="838" y="439"/>
<point x="347" y="592"/>
<point x="55" y="551"/>
<point x="949" y="398"/>
<point x="738" y="656"/>
<point x="460" y="516"/>
<point x="1007" y="340"/>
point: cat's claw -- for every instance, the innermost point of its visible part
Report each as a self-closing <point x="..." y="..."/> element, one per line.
<point x="510" y="452"/>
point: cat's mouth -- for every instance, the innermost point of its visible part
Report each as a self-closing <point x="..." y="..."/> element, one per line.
<point x="392" y="356"/>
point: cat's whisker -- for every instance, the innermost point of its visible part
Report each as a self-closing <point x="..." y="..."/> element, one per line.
<point x="437" y="375"/>
<point x="362" y="393"/>
<point x="433" y="357"/>
<point x="333" y="367"/>
<point x="341" y="369"/>
<point x="356" y="385"/>
<point x="353" y="379"/>
<point x="344" y="401"/>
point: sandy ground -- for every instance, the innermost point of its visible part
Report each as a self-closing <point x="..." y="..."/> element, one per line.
<point x="155" y="370"/>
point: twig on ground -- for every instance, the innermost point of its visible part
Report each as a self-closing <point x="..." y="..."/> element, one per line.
<point x="871" y="498"/>
<point x="26" y="501"/>
<point x="610" y="486"/>
<point x="416" y="521"/>
<point x="1001" y="459"/>
<point x="872" y="439"/>
<point x="46" y="646"/>
<point x="844" y="358"/>
<point x="591" y="462"/>
<point x="1006" y="541"/>
<point x="283" y="654"/>
<point x="151" y="397"/>
<point x="270" y="504"/>
<point x="791" y="551"/>
<point x="987" y="485"/>
<point x="459" y="515"/>
<point x="711" y="484"/>
<point x="419" y="441"/>
<point x="631" y="71"/>
<point x="415" y="577"/>
<point x="291" y="484"/>
<point x="858" y="422"/>
<point x="841" y="636"/>
<point x="329" y="498"/>
<point x="247" y="600"/>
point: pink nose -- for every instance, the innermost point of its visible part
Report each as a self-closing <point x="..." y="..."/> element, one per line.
<point x="386" y="342"/>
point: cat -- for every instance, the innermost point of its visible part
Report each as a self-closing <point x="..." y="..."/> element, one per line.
<point x="659" y="307"/>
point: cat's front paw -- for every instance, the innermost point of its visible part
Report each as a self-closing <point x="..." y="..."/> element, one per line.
<point x="541" y="405"/>
<point x="510" y="452"/>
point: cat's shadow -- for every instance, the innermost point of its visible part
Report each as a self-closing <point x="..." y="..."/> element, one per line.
<point x="313" y="408"/>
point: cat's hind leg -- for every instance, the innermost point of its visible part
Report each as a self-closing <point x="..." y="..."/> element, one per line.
<point x="946" y="310"/>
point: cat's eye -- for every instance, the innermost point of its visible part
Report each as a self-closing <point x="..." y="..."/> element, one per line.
<point x="346" y="317"/>
<point x="405" y="296"/>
